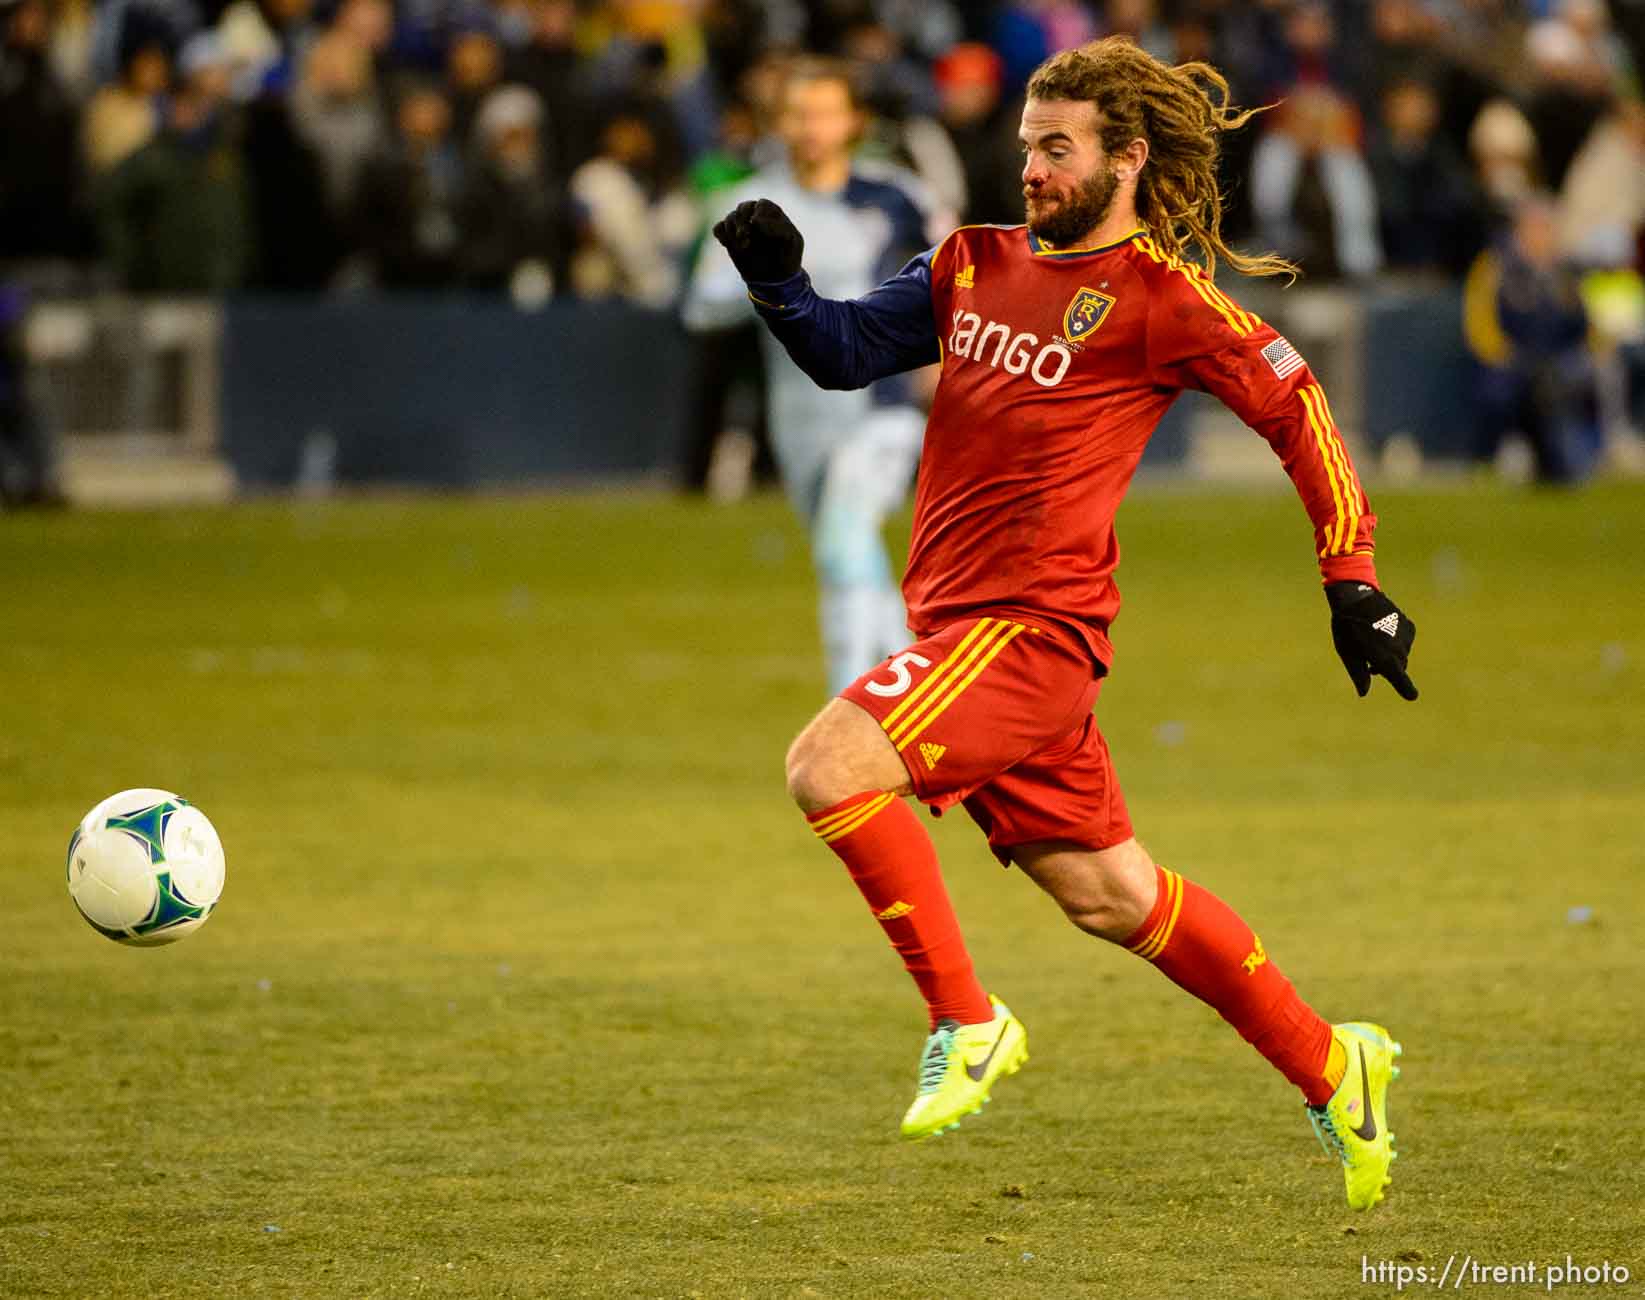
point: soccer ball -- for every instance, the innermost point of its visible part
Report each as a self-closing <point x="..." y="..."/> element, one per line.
<point x="145" y="867"/>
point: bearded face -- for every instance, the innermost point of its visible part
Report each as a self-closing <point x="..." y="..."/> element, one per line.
<point x="1061" y="215"/>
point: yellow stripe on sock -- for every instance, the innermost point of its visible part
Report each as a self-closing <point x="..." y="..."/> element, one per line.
<point x="1154" y="944"/>
<point x="1171" y="922"/>
<point x="825" y="824"/>
<point x="1140" y="944"/>
<point x="867" y="813"/>
<point x="1146" y="947"/>
<point x="836" y="820"/>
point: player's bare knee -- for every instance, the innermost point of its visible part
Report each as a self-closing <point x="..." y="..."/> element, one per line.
<point x="841" y="753"/>
<point x="817" y="769"/>
<point x="806" y="772"/>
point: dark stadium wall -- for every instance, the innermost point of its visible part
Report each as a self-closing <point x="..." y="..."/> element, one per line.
<point x="449" y="393"/>
<point x="454" y="393"/>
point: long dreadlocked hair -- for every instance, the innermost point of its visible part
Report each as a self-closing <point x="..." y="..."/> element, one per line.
<point x="1136" y="95"/>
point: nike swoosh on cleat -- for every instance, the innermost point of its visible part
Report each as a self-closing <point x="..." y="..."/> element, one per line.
<point x="976" y="1072"/>
<point x="1367" y="1130"/>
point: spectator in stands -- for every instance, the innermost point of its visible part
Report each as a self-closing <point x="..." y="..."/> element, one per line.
<point x="1577" y="72"/>
<point x="474" y="68"/>
<point x="406" y="222"/>
<point x="176" y="214"/>
<point x="893" y="84"/>
<point x="550" y="64"/>
<point x="1142" y="22"/>
<point x="304" y="242"/>
<point x="114" y="23"/>
<point x="731" y="159"/>
<point x="924" y="28"/>
<point x="40" y="185"/>
<point x="902" y="128"/>
<point x="124" y="115"/>
<point x="1311" y="189"/>
<point x="639" y="217"/>
<point x="1425" y="197"/>
<point x="1026" y="32"/>
<point x="336" y="112"/>
<point x="1410" y="41"/>
<point x="1602" y="203"/>
<point x="633" y="80"/>
<point x="1504" y="149"/>
<point x="1526" y="326"/>
<point x="70" y="47"/>
<point x="651" y="62"/>
<point x="512" y="215"/>
<point x="265" y="42"/>
<point x="370" y="25"/>
<point x="970" y="83"/>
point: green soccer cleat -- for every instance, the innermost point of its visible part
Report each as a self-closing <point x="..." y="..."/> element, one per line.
<point x="958" y="1067"/>
<point x="1353" y="1125"/>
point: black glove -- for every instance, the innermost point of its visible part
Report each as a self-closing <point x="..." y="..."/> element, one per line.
<point x="1372" y="635"/>
<point x="762" y="241"/>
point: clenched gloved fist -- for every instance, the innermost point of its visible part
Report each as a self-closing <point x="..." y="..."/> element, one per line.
<point x="1372" y="636"/>
<point x="763" y="243"/>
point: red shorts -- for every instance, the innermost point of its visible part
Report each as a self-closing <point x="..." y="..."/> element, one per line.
<point x="995" y="713"/>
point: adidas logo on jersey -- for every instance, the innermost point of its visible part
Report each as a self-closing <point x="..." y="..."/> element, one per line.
<point x="966" y="277"/>
<point x="932" y="754"/>
<point x="1017" y="352"/>
<point x="1388" y="623"/>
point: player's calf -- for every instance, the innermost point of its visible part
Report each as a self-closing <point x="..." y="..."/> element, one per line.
<point x="846" y="777"/>
<point x="1104" y="892"/>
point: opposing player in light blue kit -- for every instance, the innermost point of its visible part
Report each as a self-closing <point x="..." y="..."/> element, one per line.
<point x="846" y="458"/>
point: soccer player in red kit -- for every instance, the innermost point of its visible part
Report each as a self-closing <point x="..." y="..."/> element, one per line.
<point x="1062" y="343"/>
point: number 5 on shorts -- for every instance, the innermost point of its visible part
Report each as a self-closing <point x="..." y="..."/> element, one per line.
<point x="901" y="678"/>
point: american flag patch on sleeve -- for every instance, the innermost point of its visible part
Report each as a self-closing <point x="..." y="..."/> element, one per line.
<point x="1282" y="357"/>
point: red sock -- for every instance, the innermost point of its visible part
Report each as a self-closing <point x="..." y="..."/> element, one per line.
<point x="1199" y="943"/>
<point x="894" y="863"/>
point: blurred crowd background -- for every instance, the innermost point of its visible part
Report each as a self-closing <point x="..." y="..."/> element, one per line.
<point x="182" y="146"/>
<point x="572" y="149"/>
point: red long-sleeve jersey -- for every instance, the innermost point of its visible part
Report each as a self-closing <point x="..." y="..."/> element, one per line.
<point x="1056" y="368"/>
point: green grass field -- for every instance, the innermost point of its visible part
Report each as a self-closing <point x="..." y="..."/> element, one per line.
<point x="528" y="982"/>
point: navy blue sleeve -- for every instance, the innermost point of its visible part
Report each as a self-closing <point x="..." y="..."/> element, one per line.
<point x="851" y="343"/>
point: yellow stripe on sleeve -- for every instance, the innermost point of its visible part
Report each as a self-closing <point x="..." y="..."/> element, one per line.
<point x="1351" y="488"/>
<point x="1334" y="529"/>
<point x="1241" y="322"/>
<point x="1251" y="320"/>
